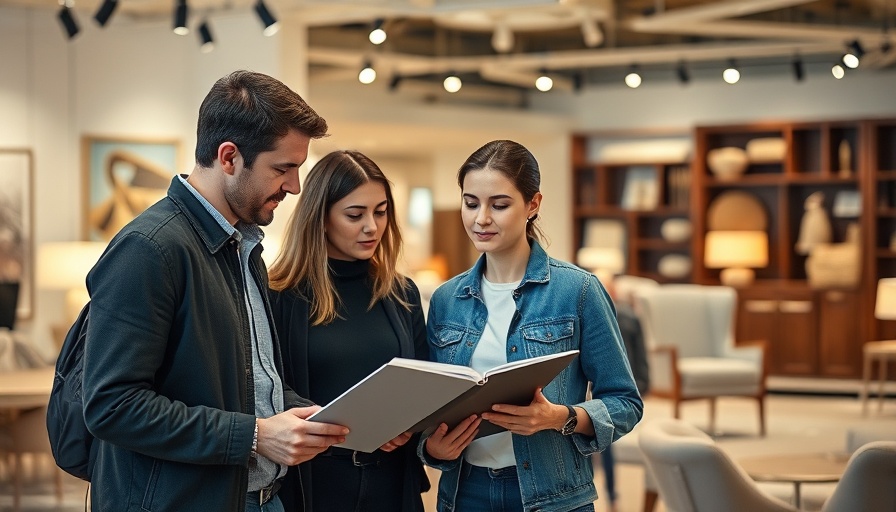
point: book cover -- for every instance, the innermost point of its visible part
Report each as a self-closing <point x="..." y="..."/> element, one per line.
<point x="406" y="394"/>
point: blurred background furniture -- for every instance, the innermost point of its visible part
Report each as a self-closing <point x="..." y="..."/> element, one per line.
<point x="796" y="468"/>
<point x="881" y="352"/>
<point x="694" y="475"/>
<point x="25" y="436"/>
<point x="869" y="482"/>
<point x="689" y="332"/>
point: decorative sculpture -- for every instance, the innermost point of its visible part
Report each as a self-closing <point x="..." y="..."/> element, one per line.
<point x="815" y="228"/>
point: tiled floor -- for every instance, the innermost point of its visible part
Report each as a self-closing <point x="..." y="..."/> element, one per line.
<point x="796" y="423"/>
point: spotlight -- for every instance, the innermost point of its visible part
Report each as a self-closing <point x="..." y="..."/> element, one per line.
<point x="633" y="79"/>
<point x="69" y="23"/>
<point x="856" y="49"/>
<point x="367" y="74"/>
<point x="838" y="71"/>
<point x="267" y="19"/>
<point x="682" y="72"/>
<point x="544" y="83"/>
<point x="180" y="18"/>
<point x="591" y="33"/>
<point x="207" y="42"/>
<point x="798" y="70"/>
<point x="578" y="81"/>
<point x="502" y="39"/>
<point x="377" y="35"/>
<point x="395" y="81"/>
<point x="731" y="75"/>
<point x="850" y="60"/>
<point x="452" y="83"/>
<point x="105" y="12"/>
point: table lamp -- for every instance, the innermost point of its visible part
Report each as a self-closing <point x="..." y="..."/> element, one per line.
<point x="737" y="253"/>
<point x="885" y="305"/>
<point x="64" y="266"/>
<point x="597" y="259"/>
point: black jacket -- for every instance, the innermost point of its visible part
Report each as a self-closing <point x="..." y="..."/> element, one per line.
<point x="291" y="317"/>
<point x="168" y="385"/>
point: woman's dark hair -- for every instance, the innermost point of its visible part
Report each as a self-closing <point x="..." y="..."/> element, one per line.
<point x="514" y="161"/>
<point x="253" y="111"/>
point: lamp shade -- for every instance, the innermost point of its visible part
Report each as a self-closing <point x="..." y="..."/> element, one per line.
<point x="885" y="306"/>
<point x="64" y="265"/>
<point x="601" y="258"/>
<point x="742" y="249"/>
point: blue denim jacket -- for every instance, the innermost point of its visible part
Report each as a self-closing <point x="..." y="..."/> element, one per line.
<point x="560" y="307"/>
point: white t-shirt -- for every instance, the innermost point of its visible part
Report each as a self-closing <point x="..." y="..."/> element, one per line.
<point x="494" y="451"/>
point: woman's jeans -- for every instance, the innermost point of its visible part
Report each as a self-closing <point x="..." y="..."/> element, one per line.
<point x="492" y="490"/>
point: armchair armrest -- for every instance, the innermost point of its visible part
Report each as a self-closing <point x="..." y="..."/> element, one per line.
<point x="663" y="365"/>
<point x="755" y="351"/>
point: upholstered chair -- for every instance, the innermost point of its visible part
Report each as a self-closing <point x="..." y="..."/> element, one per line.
<point x="689" y="333"/>
<point x="693" y="474"/>
<point x="869" y="481"/>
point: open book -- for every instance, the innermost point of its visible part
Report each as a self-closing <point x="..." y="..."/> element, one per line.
<point x="406" y="394"/>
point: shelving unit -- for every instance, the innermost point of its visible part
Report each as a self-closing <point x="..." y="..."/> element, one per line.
<point x="609" y="192"/>
<point x="811" y="332"/>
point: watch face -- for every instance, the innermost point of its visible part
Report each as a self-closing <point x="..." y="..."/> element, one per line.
<point x="570" y="426"/>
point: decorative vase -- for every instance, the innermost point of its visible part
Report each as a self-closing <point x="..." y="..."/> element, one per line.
<point x="727" y="163"/>
<point x="674" y="266"/>
<point x="844" y="154"/>
<point x="815" y="228"/>
<point x="676" y="230"/>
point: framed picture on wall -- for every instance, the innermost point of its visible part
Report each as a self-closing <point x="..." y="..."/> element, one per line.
<point x="123" y="177"/>
<point x="16" y="235"/>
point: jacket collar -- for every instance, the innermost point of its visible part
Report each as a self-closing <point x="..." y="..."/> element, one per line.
<point x="212" y="234"/>
<point x="538" y="270"/>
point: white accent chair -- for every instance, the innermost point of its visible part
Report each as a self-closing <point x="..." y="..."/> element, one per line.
<point x="869" y="482"/>
<point x="689" y="333"/>
<point x="694" y="475"/>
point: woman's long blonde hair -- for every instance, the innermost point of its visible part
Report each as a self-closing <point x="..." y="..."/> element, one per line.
<point x="302" y="262"/>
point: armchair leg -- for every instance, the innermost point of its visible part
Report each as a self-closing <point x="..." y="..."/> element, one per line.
<point x="650" y="499"/>
<point x="675" y="408"/>
<point x="712" y="416"/>
<point x="761" y="401"/>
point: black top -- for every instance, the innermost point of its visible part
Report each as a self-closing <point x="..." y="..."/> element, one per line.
<point x="356" y="343"/>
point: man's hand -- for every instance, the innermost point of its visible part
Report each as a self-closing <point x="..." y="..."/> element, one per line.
<point x="287" y="438"/>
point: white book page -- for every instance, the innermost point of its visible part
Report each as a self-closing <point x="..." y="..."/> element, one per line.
<point x="525" y="362"/>
<point x="441" y="368"/>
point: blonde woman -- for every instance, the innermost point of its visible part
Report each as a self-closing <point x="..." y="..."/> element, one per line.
<point x="341" y="311"/>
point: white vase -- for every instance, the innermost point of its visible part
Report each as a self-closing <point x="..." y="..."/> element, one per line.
<point x="727" y="163"/>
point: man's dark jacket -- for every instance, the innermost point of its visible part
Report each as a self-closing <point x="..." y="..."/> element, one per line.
<point x="168" y="385"/>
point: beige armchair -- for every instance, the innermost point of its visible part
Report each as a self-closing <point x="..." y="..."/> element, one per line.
<point x="689" y="333"/>
<point x="694" y="475"/>
<point x="869" y="482"/>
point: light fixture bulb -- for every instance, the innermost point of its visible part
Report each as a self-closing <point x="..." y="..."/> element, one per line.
<point x="377" y="35"/>
<point x="367" y="74"/>
<point x="181" y="11"/>
<point x="731" y="75"/>
<point x="502" y="38"/>
<point x="633" y="80"/>
<point x="544" y="83"/>
<point x="851" y="61"/>
<point x="838" y="71"/>
<point x="206" y="41"/>
<point x="452" y="83"/>
<point x="271" y="26"/>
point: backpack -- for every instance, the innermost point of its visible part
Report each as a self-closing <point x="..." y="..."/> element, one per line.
<point x="69" y="438"/>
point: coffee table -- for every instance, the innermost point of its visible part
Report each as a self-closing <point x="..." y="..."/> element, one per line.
<point x="796" y="468"/>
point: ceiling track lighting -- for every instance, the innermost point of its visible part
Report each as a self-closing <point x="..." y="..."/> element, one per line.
<point x="377" y="35"/>
<point x="838" y="71"/>
<point x="395" y="82"/>
<point x="578" y="81"/>
<point x="633" y="78"/>
<point x="68" y="21"/>
<point x="367" y="75"/>
<point x="452" y="82"/>
<point x="731" y="75"/>
<point x="271" y="26"/>
<point x="799" y="72"/>
<point x="682" y="73"/>
<point x="502" y="38"/>
<point x="181" y="11"/>
<point x="544" y="83"/>
<point x="206" y="41"/>
<point x="107" y="8"/>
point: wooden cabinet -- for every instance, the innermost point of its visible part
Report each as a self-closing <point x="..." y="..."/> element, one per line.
<point x="638" y="198"/>
<point x="812" y="330"/>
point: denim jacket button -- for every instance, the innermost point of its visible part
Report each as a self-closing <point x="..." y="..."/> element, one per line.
<point x="526" y="464"/>
<point x="469" y="343"/>
<point x="513" y="348"/>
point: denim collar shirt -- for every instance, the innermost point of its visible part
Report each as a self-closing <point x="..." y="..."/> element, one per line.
<point x="559" y="307"/>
